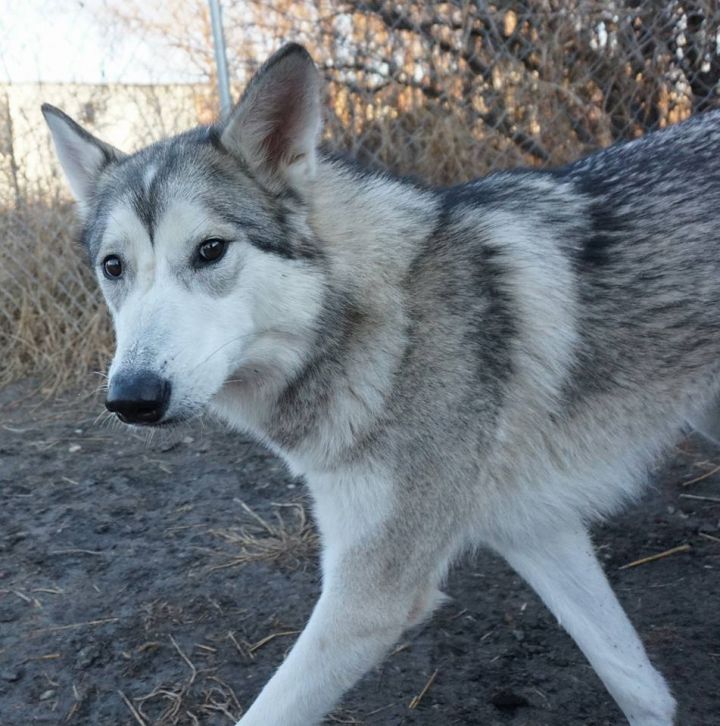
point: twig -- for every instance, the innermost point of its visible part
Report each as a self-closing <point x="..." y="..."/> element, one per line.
<point x="416" y="700"/>
<point x="658" y="556"/>
<point x="206" y="648"/>
<point x="53" y="629"/>
<point x="709" y="536"/>
<point x="240" y="649"/>
<point x="699" y="498"/>
<point x="135" y="714"/>
<point x="701" y="477"/>
<point x="343" y="719"/>
<point x="49" y="656"/>
<point x="400" y="649"/>
<point x="29" y="600"/>
<point x="233" y="697"/>
<point x="381" y="709"/>
<point x="264" y="641"/>
<point x="187" y="660"/>
<point x="71" y="712"/>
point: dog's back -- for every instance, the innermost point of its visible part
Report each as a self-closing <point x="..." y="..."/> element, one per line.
<point x="565" y="325"/>
<point x="648" y="271"/>
<point x="640" y="230"/>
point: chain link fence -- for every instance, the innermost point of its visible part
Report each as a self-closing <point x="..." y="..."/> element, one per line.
<point x="443" y="91"/>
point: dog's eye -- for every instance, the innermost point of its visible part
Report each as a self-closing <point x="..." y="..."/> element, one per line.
<point x="112" y="267"/>
<point x="211" y="250"/>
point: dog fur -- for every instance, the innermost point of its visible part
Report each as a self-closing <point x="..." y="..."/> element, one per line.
<point x="495" y="364"/>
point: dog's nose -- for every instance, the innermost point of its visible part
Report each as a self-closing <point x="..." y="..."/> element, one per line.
<point x="141" y="397"/>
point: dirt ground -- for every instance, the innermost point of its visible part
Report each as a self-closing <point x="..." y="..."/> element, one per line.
<point x="161" y="582"/>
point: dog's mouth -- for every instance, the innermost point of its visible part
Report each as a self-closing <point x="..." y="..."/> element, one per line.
<point x="139" y="419"/>
<point x="163" y="423"/>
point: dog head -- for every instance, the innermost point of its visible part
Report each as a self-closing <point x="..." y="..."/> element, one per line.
<point x="201" y="245"/>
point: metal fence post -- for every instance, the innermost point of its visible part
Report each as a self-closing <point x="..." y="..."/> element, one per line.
<point x="220" y="57"/>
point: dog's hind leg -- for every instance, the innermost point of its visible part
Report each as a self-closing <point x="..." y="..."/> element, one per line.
<point x="563" y="570"/>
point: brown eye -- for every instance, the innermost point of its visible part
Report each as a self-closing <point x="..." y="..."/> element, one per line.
<point x="112" y="267"/>
<point x="211" y="250"/>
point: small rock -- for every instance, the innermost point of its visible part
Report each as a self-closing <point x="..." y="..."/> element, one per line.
<point x="533" y="649"/>
<point x="12" y="675"/>
<point x="188" y="440"/>
<point x="74" y="448"/>
<point x="508" y="700"/>
<point x="8" y="615"/>
<point x="117" y="481"/>
<point x="86" y="656"/>
<point x="47" y="694"/>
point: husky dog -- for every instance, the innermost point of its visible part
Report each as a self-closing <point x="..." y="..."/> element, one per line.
<point x="495" y="364"/>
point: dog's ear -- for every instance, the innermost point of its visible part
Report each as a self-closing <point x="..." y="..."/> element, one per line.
<point x="81" y="155"/>
<point x="276" y="124"/>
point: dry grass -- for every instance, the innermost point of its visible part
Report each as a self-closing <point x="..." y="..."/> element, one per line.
<point x="176" y="703"/>
<point x="53" y="325"/>
<point x="432" y="92"/>
<point x="659" y="556"/>
<point x="430" y="141"/>
<point x="289" y="539"/>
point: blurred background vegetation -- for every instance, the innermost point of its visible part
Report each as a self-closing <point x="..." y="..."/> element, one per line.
<point x="443" y="91"/>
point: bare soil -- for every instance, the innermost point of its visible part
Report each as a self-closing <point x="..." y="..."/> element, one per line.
<point x="161" y="582"/>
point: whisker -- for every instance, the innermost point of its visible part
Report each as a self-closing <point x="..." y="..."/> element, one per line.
<point x="102" y="418"/>
<point x="240" y="337"/>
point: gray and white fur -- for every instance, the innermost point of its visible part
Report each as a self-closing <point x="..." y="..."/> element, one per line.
<point x="495" y="364"/>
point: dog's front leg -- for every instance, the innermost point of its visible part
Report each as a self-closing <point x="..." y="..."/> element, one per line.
<point x="373" y="589"/>
<point x="563" y="570"/>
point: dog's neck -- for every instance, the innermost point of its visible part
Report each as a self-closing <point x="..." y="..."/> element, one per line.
<point x="370" y="229"/>
<point x="370" y="224"/>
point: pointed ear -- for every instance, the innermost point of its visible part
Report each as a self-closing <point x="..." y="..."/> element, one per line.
<point x="276" y="125"/>
<point x="81" y="155"/>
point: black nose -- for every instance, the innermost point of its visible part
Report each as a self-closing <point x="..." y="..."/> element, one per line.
<point x="141" y="397"/>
